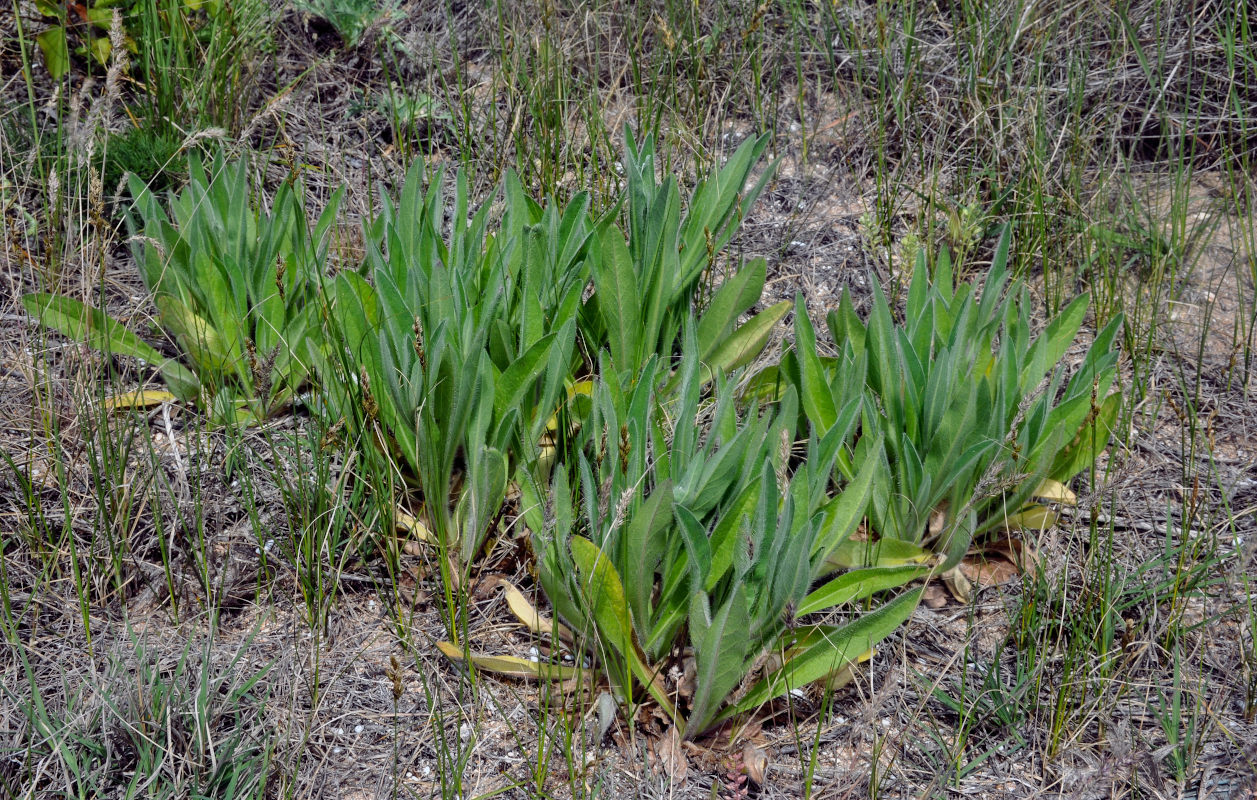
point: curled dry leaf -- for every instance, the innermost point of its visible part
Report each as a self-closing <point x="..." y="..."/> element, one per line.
<point x="998" y="562"/>
<point x="606" y="715"/>
<point x="484" y="587"/>
<point x="937" y="522"/>
<point x="934" y="596"/>
<point x="412" y="587"/>
<point x="980" y="570"/>
<point x="754" y="763"/>
<point x="671" y="755"/>
<point x="958" y="585"/>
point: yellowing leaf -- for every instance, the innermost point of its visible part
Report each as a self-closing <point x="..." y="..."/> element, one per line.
<point x="144" y="398"/>
<point x="511" y="665"/>
<point x="1057" y="492"/>
<point x="841" y="677"/>
<point x="528" y="615"/>
<point x="574" y="389"/>
<point x="887" y="552"/>
<point x="405" y="521"/>
<point x="1031" y="518"/>
<point x="203" y="343"/>
<point x="100" y="49"/>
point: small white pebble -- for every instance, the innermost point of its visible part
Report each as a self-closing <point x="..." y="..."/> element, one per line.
<point x="567" y="657"/>
<point x="532" y="651"/>
<point x="337" y="750"/>
<point x="885" y="722"/>
<point x="841" y="720"/>
<point x="533" y="659"/>
<point x="358" y="729"/>
<point x="340" y="731"/>
<point x="464" y="731"/>
<point x="427" y="770"/>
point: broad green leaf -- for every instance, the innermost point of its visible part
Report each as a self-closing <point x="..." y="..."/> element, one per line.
<point x="745" y="343"/>
<point x="602" y="589"/>
<point x="1051" y="345"/>
<point x="90" y="325"/>
<point x="721" y="654"/>
<point x="102" y="332"/>
<point x="208" y="349"/>
<point x="725" y="539"/>
<point x="859" y="584"/>
<point x="732" y="299"/>
<point x="100" y="47"/>
<point x="1089" y="442"/>
<point x="814" y="392"/>
<point x="884" y="552"/>
<point x="845" y="325"/>
<point x="697" y="545"/>
<point x="644" y="546"/>
<point x="56" y="49"/>
<point x="843" y="514"/>
<point x="618" y="297"/>
<point x="520" y="376"/>
<point x="481" y="499"/>
<point x="1031" y="518"/>
<point x="765" y="386"/>
<point x="824" y="649"/>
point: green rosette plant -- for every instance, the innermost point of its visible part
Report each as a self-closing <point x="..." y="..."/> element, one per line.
<point x="235" y="285"/>
<point x="457" y="353"/>
<point x="647" y="277"/>
<point x="967" y="415"/>
<point x="713" y="545"/>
